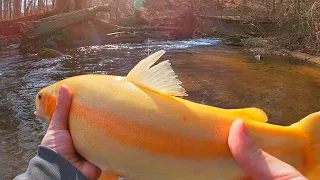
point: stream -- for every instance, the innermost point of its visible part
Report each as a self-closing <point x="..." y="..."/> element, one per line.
<point x="286" y="89"/>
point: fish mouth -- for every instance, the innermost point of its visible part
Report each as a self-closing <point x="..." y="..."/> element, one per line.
<point x="38" y="112"/>
<point x="41" y="116"/>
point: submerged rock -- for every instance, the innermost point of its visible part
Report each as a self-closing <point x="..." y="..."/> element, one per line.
<point x="49" y="53"/>
<point x="234" y="40"/>
<point x="258" y="57"/>
<point x="234" y="44"/>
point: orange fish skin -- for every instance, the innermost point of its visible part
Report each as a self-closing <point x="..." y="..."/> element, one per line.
<point x="141" y="134"/>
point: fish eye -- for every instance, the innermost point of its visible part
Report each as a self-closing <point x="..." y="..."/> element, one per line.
<point x="39" y="95"/>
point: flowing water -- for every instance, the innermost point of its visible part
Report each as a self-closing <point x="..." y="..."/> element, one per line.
<point x="225" y="77"/>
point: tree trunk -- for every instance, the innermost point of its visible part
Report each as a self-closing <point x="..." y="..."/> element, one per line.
<point x="219" y="4"/>
<point x="10" y="9"/>
<point x="25" y="11"/>
<point x="46" y="5"/>
<point x="243" y="9"/>
<point x="274" y="8"/>
<point x="90" y="3"/>
<point x="16" y="8"/>
<point x="30" y="7"/>
<point x="34" y="6"/>
<point x="267" y="7"/>
<point x="80" y="4"/>
<point x="40" y="5"/>
<point x="0" y="10"/>
<point x="5" y="9"/>
<point x="64" y="6"/>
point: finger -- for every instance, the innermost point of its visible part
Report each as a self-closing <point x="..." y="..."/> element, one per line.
<point x="252" y="160"/>
<point x="89" y="170"/>
<point x="59" y="119"/>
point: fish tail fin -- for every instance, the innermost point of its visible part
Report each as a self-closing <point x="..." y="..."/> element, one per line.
<point x="311" y="126"/>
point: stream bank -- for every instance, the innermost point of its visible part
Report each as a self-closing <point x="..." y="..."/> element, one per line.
<point x="269" y="46"/>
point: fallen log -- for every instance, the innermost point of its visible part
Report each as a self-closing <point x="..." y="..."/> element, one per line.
<point x="117" y="31"/>
<point x="45" y="28"/>
<point x="27" y="18"/>
<point x="232" y="18"/>
<point x="32" y="40"/>
<point x="111" y="29"/>
<point x="103" y="24"/>
<point x="50" y="25"/>
<point x="225" y="18"/>
<point x="15" y="27"/>
<point x="145" y="28"/>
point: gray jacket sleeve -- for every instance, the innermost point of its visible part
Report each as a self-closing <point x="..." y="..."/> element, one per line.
<point x="48" y="164"/>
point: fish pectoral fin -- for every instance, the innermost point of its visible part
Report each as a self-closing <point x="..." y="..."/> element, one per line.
<point x="160" y="78"/>
<point x="254" y="114"/>
<point x="314" y="173"/>
<point x="108" y="175"/>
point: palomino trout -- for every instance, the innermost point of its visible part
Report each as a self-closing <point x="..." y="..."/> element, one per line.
<point x="138" y="128"/>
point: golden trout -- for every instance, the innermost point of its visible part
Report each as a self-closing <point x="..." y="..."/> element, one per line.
<point x="137" y="127"/>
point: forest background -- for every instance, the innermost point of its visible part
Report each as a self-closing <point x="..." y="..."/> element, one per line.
<point x="290" y="24"/>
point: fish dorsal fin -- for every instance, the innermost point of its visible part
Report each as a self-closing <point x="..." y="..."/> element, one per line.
<point x="160" y="78"/>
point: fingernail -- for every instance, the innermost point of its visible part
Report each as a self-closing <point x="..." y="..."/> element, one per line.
<point x="61" y="87"/>
<point x="250" y="144"/>
<point x="245" y="129"/>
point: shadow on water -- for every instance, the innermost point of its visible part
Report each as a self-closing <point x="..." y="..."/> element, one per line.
<point x="225" y="77"/>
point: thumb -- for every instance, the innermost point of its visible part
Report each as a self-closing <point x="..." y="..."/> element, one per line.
<point x="255" y="162"/>
<point x="60" y="116"/>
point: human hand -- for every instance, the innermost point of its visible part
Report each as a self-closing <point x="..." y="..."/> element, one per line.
<point x="255" y="162"/>
<point x="59" y="139"/>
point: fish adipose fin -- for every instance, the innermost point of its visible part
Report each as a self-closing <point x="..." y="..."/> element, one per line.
<point x="311" y="126"/>
<point x="160" y="78"/>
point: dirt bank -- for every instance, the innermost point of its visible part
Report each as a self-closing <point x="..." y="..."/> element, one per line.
<point x="269" y="46"/>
